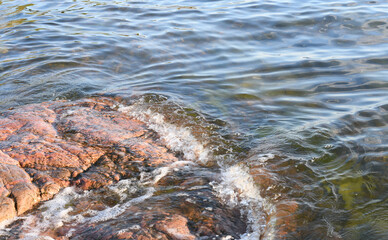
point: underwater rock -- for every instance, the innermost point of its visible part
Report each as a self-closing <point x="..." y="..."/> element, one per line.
<point x="175" y="227"/>
<point x="188" y="209"/>
<point x="151" y="225"/>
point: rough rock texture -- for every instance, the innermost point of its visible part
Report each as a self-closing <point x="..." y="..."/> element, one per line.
<point x="89" y="144"/>
<point x="45" y="147"/>
<point x="15" y="183"/>
<point x="7" y="208"/>
<point x="183" y="207"/>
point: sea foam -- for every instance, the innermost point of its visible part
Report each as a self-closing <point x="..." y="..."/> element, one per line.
<point x="238" y="189"/>
<point x="177" y="138"/>
<point x="236" y="186"/>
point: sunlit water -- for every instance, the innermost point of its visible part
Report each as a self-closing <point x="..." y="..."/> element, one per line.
<point x="298" y="88"/>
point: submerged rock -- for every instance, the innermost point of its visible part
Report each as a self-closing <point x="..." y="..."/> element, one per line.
<point x="90" y="145"/>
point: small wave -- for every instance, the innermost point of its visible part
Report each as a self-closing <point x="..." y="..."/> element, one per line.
<point x="54" y="214"/>
<point x="177" y="138"/>
<point x="111" y="213"/>
<point x="237" y="188"/>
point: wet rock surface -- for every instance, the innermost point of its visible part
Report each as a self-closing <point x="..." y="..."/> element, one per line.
<point x="88" y="144"/>
<point x="186" y="210"/>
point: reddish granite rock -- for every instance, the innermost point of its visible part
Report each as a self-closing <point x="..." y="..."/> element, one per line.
<point x="182" y="206"/>
<point x="26" y="196"/>
<point x="175" y="227"/>
<point x="285" y="218"/>
<point x="152" y="226"/>
<point x="7" y="209"/>
<point x="45" y="147"/>
<point x="16" y="183"/>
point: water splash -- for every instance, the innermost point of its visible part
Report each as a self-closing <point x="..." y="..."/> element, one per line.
<point x="238" y="189"/>
<point x="53" y="214"/>
<point x="177" y="138"/>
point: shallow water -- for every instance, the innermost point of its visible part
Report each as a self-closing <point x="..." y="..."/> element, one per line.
<point x="297" y="88"/>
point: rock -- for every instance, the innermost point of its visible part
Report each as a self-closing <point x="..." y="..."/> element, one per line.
<point x="285" y="218"/>
<point x="49" y="189"/>
<point x="45" y="147"/>
<point x="17" y="183"/>
<point x="183" y="207"/>
<point x="90" y="145"/>
<point x="26" y="196"/>
<point x="7" y="209"/>
<point x="3" y="191"/>
<point x="175" y="227"/>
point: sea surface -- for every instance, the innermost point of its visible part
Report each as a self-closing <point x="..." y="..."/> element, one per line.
<point x="298" y="89"/>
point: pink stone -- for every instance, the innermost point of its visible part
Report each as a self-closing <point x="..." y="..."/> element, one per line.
<point x="58" y="143"/>
<point x="7" y="209"/>
<point x="175" y="227"/>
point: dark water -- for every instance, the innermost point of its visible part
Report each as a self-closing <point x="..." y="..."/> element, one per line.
<point x="303" y="81"/>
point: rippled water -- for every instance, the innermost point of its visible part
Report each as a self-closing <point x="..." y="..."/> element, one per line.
<point x="299" y="87"/>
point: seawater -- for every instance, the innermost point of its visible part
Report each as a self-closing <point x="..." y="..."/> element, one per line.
<point x="295" y="90"/>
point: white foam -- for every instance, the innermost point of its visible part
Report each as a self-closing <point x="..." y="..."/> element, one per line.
<point x="135" y="227"/>
<point x="57" y="211"/>
<point x="263" y="158"/>
<point x="156" y="175"/>
<point x="123" y="187"/>
<point x="126" y="188"/>
<point x="54" y="214"/>
<point x="237" y="188"/>
<point x="227" y="238"/>
<point x="3" y="226"/>
<point x="162" y="172"/>
<point x="119" y="209"/>
<point x="177" y="138"/>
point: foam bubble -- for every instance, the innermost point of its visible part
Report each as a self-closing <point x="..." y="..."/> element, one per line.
<point x="176" y="138"/>
<point x="227" y="238"/>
